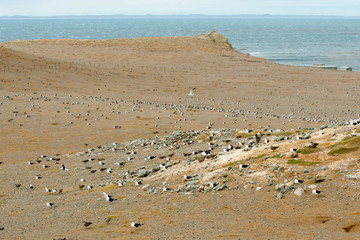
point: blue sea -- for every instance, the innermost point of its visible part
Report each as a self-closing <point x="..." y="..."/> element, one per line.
<point x="301" y="41"/>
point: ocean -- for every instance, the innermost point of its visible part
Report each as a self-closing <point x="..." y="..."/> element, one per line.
<point x="300" y="41"/>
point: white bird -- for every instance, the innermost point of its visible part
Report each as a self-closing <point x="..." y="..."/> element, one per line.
<point x="82" y="180"/>
<point x="64" y="168"/>
<point x="47" y="190"/>
<point x="191" y="93"/>
<point x="317" y="192"/>
<point x="108" y="197"/>
<point x="136" y="225"/>
<point x="31" y="186"/>
<point x="49" y="204"/>
<point x="89" y="187"/>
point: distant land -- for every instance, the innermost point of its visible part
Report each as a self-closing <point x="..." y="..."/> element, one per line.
<point x="178" y="16"/>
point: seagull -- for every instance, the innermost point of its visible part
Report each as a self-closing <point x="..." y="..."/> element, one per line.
<point x="90" y="187"/>
<point x="82" y="180"/>
<point x="299" y="181"/>
<point x="47" y="190"/>
<point x="191" y="92"/>
<point x="136" y="225"/>
<point x="243" y="166"/>
<point x="38" y="177"/>
<point x="30" y="163"/>
<point x="64" y="168"/>
<point x="137" y="183"/>
<point x="317" y="192"/>
<point x="31" y="186"/>
<point x="46" y="166"/>
<point x="186" y="177"/>
<point x="49" y="204"/>
<point x="86" y="224"/>
<point x="166" y="189"/>
<point x="108" y="197"/>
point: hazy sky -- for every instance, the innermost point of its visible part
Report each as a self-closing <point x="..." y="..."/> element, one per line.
<point x="211" y="7"/>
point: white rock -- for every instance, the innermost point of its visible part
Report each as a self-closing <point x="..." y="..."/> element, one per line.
<point x="299" y="191"/>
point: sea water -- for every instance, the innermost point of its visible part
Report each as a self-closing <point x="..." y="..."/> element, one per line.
<point x="301" y="41"/>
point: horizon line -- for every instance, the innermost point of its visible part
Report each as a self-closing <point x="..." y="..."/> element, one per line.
<point x="175" y="15"/>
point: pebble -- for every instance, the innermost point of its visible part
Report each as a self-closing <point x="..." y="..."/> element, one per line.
<point x="299" y="191"/>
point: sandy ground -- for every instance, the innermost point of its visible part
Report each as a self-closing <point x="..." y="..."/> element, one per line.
<point x="62" y="97"/>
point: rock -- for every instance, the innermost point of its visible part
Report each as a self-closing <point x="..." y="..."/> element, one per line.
<point x="280" y="196"/>
<point x="307" y="136"/>
<point x="155" y="169"/>
<point x="325" y="168"/>
<point x="207" y="189"/>
<point x="274" y="167"/>
<point x="143" y="173"/>
<point x="279" y="186"/>
<point x="281" y="138"/>
<point x="299" y="191"/>
<point x="323" y="127"/>
<point x="218" y="38"/>
<point x="224" y="174"/>
<point x="258" y="188"/>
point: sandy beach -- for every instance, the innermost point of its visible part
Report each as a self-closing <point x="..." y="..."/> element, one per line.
<point x="118" y="112"/>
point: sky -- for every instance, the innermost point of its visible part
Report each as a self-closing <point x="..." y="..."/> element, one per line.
<point x="170" y="7"/>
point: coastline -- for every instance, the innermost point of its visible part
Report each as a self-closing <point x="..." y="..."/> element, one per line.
<point x="165" y="99"/>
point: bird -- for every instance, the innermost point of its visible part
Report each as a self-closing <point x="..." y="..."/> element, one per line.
<point x="166" y="189"/>
<point x="64" y="168"/>
<point x="191" y="92"/>
<point x="298" y="181"/>
<point x="30" y="163"/>
<point x="241" y="166"/>
<point x="108" y="197"/>
<point x="186" y="177"/>
<point x="49" y="204"/>
<point x="31" y="186"/>
<point x="17" y="185"/>
<point x="47" y="190"/>
<point x="86" y="224"/>
<point x="46" y="166"/>
<point x="136" y="225"/>
<point x="317" y="192"/>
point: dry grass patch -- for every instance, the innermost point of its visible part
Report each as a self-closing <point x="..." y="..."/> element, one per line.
<point x="347" y="145"/>
<point x="301" y="162"/>
<point x="306" y="150"/>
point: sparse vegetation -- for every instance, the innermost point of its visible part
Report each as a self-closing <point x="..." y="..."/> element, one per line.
<point x="257" y="157"/>
<point x="276" y="156"/>
<point x="301" y="162"/>
<point x="234" y="163"/>
<point x="358" y="130"/>
<point x="307" y="150"/>
<point x="347" y="145"/>
<point x="283" y="134"/>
